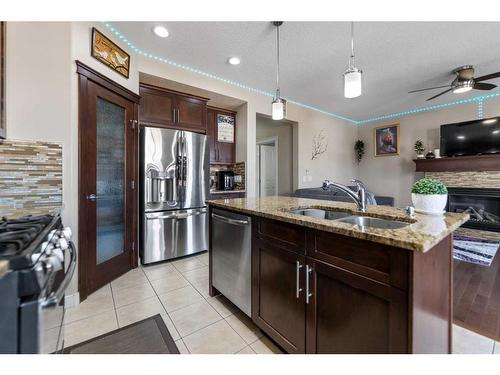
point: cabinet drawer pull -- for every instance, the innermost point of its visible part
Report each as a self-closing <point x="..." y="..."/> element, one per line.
<point x="308" y="280"/>
<point x="298" y="289"/>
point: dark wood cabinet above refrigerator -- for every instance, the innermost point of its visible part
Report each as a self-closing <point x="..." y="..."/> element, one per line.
<point x="169" y="109"/>
<point x="221" y="152"/>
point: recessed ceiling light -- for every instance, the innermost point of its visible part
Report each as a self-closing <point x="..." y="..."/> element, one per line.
<point x="496" y="131"/>
<point x="160" y="31"/>
<point x="234" y="60"/>
<point x="460" y="136"/>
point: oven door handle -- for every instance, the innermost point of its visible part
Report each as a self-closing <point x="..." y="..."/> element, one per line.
<point x="55" y="298"/>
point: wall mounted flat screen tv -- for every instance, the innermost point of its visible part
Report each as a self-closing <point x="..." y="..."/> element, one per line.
<point x="471" y="137"/>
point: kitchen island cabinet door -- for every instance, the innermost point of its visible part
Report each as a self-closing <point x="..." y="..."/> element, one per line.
<point x="349" y="313"/>
<point x="278" y="306"/>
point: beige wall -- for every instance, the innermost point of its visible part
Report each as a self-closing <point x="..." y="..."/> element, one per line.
<point x="283" y="131"/>
<point x="38" y="89"/>
<point x="394" y="175"/>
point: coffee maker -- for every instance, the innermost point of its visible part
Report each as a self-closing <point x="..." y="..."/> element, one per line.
<point x="225" y="180"/>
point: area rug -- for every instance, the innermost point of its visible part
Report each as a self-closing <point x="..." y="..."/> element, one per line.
<point x="149" y="336"/>
<point x="474" y="250"/>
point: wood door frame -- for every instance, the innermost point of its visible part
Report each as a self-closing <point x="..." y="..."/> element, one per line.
<point x="86" y="74"/>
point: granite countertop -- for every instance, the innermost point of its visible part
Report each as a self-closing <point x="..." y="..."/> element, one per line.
<point x="424" y="232"/>
<point x="4" y="267"/>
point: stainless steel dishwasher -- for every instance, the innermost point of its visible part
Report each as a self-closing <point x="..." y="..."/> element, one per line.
<point x="231" y="257"/>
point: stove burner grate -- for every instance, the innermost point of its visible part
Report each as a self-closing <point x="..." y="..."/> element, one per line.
<point x="17" y="234"/>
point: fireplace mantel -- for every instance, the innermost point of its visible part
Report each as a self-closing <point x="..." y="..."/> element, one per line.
<point x="475" y="163"/>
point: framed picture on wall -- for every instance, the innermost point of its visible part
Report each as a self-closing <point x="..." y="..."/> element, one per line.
<point x="107" y="52"/>
<point x="225" y="128"/>
<point x="386" y="140"/>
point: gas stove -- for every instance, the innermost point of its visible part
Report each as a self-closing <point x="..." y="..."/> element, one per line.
<point x="42" y="260"/>
<point x="24" y="240"/>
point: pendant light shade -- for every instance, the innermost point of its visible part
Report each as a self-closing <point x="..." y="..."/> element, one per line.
<point x="278" y="109"/>
<point x="352" y="76"/>
<point x="352" y="83"/>
<point x="278" y="104"/>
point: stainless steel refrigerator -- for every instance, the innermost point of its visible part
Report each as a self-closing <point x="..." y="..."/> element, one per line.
<point x="174" y="185"/>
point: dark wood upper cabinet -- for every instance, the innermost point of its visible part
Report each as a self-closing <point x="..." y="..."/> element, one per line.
<point x="156" y="107"/>
<point x="191" y="113"/>
<point x="211" y="134"/>
<point x="278" y="303"/>
<point x="164" y="108"/>
<point x="220" y="152"/>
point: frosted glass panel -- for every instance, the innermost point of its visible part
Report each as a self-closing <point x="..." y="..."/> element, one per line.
<point x="109" y="180"/>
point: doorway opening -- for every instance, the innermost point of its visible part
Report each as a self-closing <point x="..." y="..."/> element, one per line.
<point x="276" y="162"/>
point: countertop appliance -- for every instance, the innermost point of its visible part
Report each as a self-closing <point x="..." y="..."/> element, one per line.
<point x="471" y="137"/>
<point x="231" y="257"/>
<point x="174" y="186"/>
<point x="42" y="260"/>
<point x="225" y="180"/>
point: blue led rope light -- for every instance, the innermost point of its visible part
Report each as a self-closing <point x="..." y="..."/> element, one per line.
<point x="480" y="115"/>
<point x="478" y="99"/>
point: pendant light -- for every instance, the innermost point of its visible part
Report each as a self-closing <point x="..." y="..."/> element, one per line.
<point x="279" y="104"/>
<point x="352" y="76"/>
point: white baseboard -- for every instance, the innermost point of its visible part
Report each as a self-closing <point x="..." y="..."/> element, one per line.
<point x="72" y="300"/>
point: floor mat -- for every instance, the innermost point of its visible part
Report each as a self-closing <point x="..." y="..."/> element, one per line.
<point x="149" y="336"/>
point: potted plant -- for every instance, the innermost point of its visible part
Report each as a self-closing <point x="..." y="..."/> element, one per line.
<point x="429" y="196"/>
<point x="359" y="147"/>
<point x="419" y="149"/>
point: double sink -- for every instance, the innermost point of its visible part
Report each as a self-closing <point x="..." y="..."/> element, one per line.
<point x="360" y="220"/>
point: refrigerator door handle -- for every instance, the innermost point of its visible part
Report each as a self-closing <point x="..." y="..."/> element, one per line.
<point x="176" y="216"/>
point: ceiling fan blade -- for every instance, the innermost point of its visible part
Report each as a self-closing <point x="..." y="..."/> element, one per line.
<point x="429" y="88"/>
<point x="441" y="93"/>
<point x="487" y="77"/>
<point x="484" y="86"/>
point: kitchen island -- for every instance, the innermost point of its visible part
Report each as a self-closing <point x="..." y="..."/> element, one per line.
<point x="328" y="285"/>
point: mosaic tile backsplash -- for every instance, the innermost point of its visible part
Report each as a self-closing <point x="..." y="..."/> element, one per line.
<point x="483" y="180"/>
<point x="30" y="177"/>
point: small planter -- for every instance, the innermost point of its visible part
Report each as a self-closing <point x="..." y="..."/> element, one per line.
<point x="429" y="203"/>
<point x="429" y="196"/>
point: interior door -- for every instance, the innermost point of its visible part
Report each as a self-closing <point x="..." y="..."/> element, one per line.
<point x="267" y="170"/>
<point x="107" y="194"/>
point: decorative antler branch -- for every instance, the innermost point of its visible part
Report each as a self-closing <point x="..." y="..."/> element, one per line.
<point x="319" y="145"/>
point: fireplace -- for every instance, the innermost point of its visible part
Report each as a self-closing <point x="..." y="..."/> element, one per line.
<point x="483" y="206"/>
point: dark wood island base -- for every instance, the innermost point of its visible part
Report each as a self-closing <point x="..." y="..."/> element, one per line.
<point x="320" y="292"/>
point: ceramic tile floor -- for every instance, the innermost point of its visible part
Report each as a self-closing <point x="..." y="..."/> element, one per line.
<point x="178" y="290"/>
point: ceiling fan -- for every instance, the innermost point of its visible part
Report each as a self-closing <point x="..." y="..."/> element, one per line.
<point x="464" y="81"/>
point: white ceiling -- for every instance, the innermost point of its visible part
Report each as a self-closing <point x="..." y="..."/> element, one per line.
<point x="395" y="58"/>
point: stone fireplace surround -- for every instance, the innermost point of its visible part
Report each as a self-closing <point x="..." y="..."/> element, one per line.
<point x="472" y="180"/>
